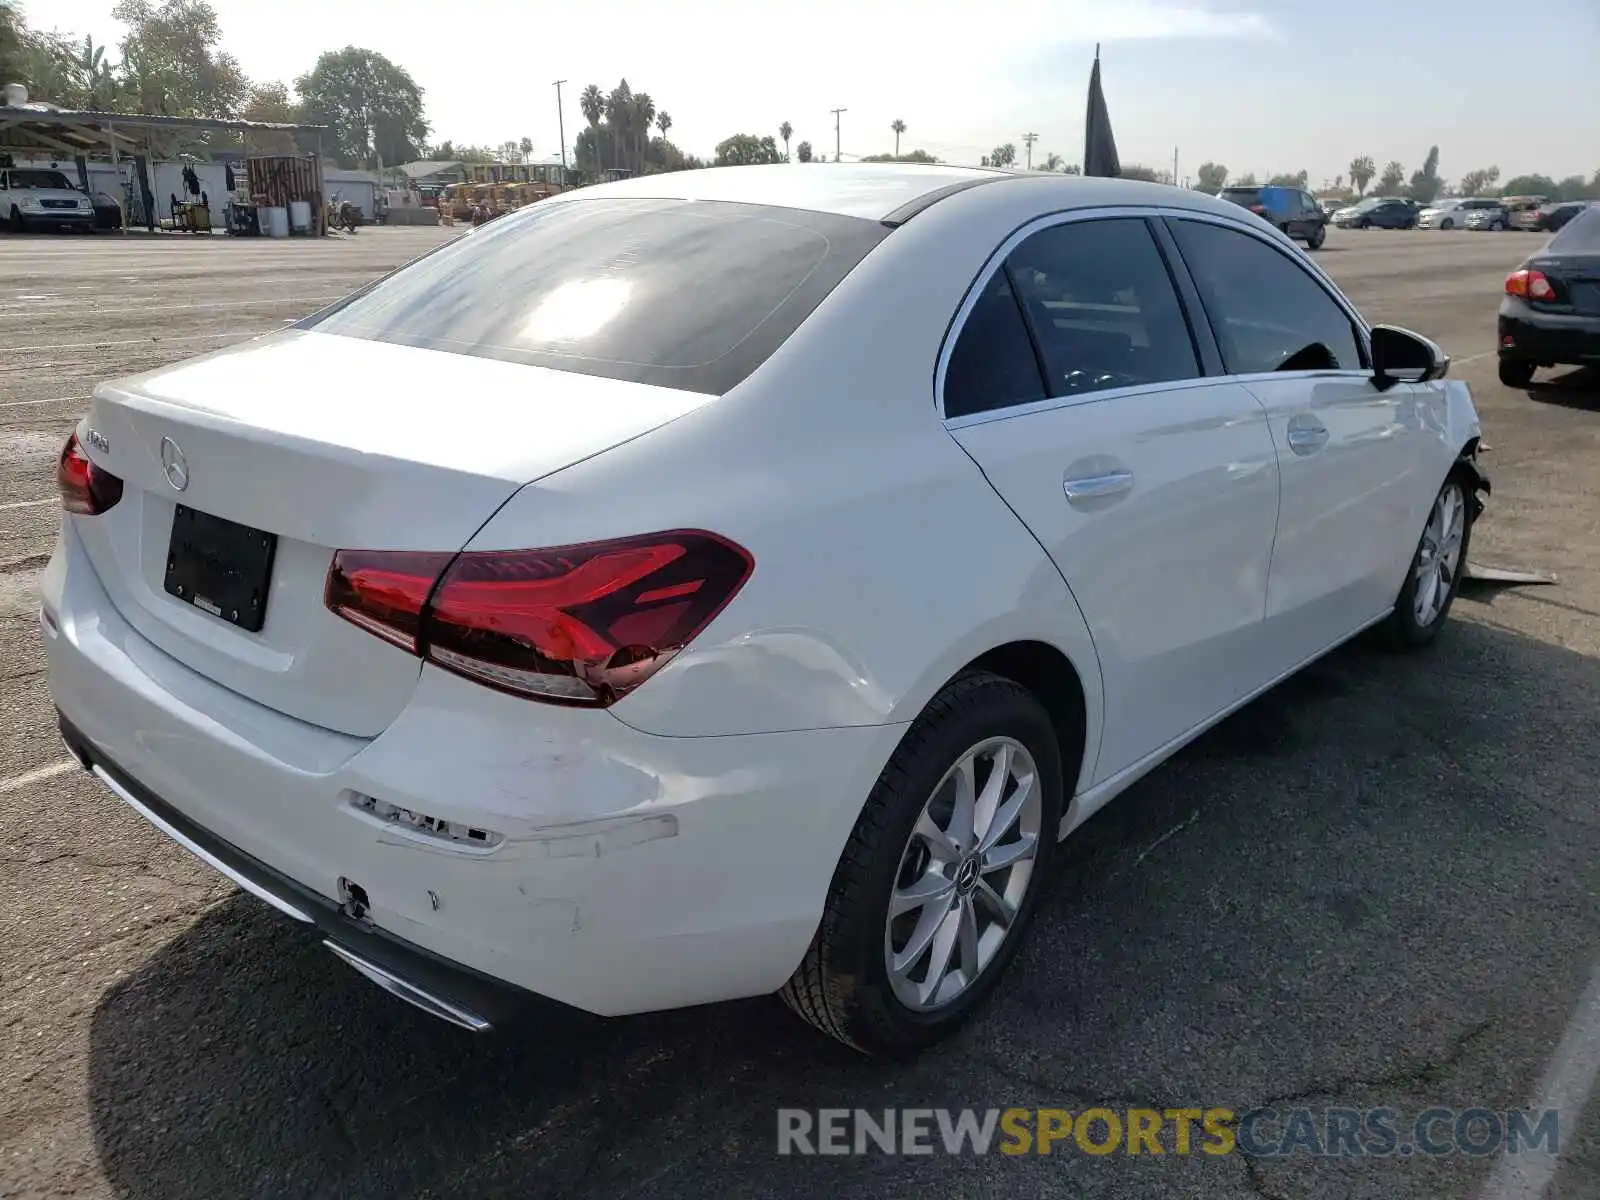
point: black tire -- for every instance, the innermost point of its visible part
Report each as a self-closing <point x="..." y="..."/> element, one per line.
<point x="842" y="985"/>
<point x="1516" y="372"/>
<point x="1314" y="242"/>
<point x="1447" y="223"/>
<point x="1363" y="224"/>
<point x="1404" y="629"/>
<point x="16" y="224"/>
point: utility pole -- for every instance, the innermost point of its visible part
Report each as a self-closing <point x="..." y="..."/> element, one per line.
<point x="561" y="130"/>
<point x="1028" y="140"/>
<point x="836" y="113"/>
<point x="1174" y="164"/>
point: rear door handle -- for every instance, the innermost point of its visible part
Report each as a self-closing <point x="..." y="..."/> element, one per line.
<point x="1307" y="438"/>
<point x="1097" y="487"/>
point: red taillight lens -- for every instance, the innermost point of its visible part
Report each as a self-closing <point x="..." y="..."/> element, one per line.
<point x="572" y="625"/>
<point x="1258" y="209"/>
<point x="85" y="488"/>
<point x="1531" y="284"/>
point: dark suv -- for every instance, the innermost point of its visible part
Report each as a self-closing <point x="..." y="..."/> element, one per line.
<point x="1295" y="212"/>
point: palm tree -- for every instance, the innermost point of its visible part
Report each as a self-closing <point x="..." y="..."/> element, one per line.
<point x="619" y="114"/>
<point x="643" y="114"/>
<point x="1362" y="169"/>
<point x="899" y="127"/>
<point x="786" y="131"/>
<point x="1053" y="162"/>
<point x="663" y="123"/>
<point x="592" y="103"/>
<point x="1003" y="156"/>
<point x="526" y="146"/>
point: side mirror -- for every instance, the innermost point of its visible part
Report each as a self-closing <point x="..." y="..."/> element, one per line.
<point x="1400" y="356"/>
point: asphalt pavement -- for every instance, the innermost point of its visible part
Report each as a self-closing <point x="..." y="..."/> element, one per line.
<point x="1374" y="887"/>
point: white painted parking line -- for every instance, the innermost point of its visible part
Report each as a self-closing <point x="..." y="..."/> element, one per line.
<point x="1568" y="1082"/>
<point x="47" y="400"/>
<point x="1472" y="358"/>
<point x="29" y="503"/>
<point x="37" y="775"/>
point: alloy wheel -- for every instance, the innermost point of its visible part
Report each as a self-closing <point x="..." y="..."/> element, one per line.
<point x="1439" y="558"/>
<point x="964" y="874"/>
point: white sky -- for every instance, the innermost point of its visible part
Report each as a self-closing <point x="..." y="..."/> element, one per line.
<point x="1247" y="82"/>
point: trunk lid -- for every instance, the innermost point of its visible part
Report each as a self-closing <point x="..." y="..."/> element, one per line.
<point x="328" y="443"/>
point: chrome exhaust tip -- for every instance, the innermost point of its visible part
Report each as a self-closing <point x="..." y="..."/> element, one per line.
<point x="410" y="992"/>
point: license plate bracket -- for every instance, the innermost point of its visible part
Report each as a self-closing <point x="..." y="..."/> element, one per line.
<point x="221" y="567"/>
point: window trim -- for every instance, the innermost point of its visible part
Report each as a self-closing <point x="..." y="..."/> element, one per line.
<point x="1159" y="218"/>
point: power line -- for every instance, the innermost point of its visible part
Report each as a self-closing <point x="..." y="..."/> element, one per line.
<point x="836" y="113"/>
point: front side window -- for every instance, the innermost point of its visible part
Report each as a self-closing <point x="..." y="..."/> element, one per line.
<point x="1268" y="312"/>
<point x="1102" y="306"/>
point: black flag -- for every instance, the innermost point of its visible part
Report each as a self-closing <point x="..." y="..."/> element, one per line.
<point x="1099" y="146"/>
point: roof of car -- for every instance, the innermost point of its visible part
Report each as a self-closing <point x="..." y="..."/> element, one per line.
<point x="889" y="192"/>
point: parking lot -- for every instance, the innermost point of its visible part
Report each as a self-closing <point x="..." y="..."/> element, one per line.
<point x="1377" y="886"/>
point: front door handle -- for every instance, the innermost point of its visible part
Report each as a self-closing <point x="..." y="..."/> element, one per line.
<point x="1097" y="487"/>
<point x="1307" y="438"/>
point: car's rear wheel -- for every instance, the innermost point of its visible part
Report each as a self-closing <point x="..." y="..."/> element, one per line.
<point x="1363" y="224"/>
<point x="1516" y="372"/>
<point x="939" y="880"/>
<point x="1314" y="242"/>
<point x="1436" y="567"/>
<point x="1495" y="226"/>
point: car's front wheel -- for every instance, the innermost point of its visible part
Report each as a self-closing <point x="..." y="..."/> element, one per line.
<point x="1447" y="223"/>
<point x="1436" y="567"/>
<point x="941" y="874"/>
<point x="16" y="223"/>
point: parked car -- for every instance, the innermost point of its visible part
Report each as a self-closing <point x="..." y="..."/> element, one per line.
<point x="1293" y="211"/>
<point x="36" y="198"/>
<point x="1550" y="314"/>
<point x="1548" y="218"/>
<point x="1378" y="212"/>
<point x="1518" y="206"/>
<point x="632" y="683"/>
<point x="1331" y="204"/>
<point x="1489" y="219"/>
<point x="1453" y="213"/>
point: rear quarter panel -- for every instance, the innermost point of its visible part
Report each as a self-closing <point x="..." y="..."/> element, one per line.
<point x="884" y="561"/>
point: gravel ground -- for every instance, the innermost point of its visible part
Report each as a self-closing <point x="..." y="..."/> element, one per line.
<point x="1376" y="886"/>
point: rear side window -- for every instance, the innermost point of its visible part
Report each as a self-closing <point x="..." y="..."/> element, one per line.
<point x="1581" y="235"/>
<point x="1268" y="312"/>
<point x="992" y="365"/>
<point x="673" y="293"/>
<point x="1102" y="307"/>
<point x="1245" y="196"/>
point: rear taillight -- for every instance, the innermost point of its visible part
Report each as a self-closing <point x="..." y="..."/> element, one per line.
<point x="572" y="625"/>
<point x="1531" y="284"/>
<point x="85" y="488"/>
<point x="1259" y="210"/>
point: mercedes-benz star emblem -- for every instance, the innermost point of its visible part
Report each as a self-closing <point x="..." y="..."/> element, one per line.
<point x="175" y="465"/>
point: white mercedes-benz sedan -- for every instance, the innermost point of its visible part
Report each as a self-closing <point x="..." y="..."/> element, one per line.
<point x="738" y="581"/>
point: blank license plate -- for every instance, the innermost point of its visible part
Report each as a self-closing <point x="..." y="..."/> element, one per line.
<point x="1586" y="297"/>
<point x="221" y="567"/>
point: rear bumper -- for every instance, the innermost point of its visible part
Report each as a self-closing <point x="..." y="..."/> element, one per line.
<point x="631" y="872"/>
<point x="1555" y="338"/>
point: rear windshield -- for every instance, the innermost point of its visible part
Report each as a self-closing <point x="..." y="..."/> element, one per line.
<point x="1241" y="195"/>
<point x="39" y="179"/>
<point x="676" y="293"/>
<point x="1581" y="235"/>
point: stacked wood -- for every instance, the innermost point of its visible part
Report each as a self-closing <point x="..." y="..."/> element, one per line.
<point x="276" y="181"/>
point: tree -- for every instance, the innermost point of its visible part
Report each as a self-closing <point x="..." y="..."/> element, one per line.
<point x="270" y="102"/>
<point x="803" y="152"/>
<point x="743" y="149"/>
<point x="1072" y="169"/>
<point x="1529" y="185"/>
<point x="1136" y="171"/>
<point x="640" y="119"/>
<point x="917" y="156"/>
<point x="1052" y="162"/>
<point x="1573" y="187"/>
<point x="13" y="37"/>
<point x="663" y="123"/>
<point x="1361" y="173"/>
<point x="1393" y="178"/>
<point x="1213" y="177"/>
<point x="786" y="131"/>
<point x="1297" y="180"/>
<point x="1247" y="180"/>
<point x="1476" y="183"/>
<point x="373" y="107"/>
<point x="619" y="102"/>
<point x="592" y="103"/>
<point x="1003" y="156"/>
<point x="172" y="62"/>
<point x="1425" y="184"/>
<point x="899" y="127"/>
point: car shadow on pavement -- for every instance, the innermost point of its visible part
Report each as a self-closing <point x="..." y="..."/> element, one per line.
<point x="1576" y="388"/>
<point x="1369" y="887"/>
